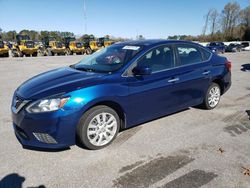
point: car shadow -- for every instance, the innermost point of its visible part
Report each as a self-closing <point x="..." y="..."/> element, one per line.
<point x="14" y="180"/>
<point x="126" y="133"/>
<point x="245" y="67"/>
<point x="83" y="147"/>
<point x="45" y="149"/>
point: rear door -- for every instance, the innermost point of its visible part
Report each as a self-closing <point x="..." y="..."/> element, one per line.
<point x="193" y="71"/>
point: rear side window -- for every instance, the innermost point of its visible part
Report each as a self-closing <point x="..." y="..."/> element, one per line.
<point x="206" y="54"/>
<point x="188" y="54"/>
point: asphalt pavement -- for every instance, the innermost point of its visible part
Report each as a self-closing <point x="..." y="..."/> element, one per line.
<point x="192" y="148"/>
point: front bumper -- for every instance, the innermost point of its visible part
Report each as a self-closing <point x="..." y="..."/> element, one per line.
<point x="53" y="130"/>
<point x="78" y="50"/>
<point x="29" y="51"/>
<point x="58" y="50"/>
<point x="4" y="51"/>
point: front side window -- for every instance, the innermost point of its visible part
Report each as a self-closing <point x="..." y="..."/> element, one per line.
<point x="158" y="59"/>
<point x="188" y="54"/>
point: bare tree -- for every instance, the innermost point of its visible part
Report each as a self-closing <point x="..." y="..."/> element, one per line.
<point x="213" y="18"/>
<point x="206" y="22"/>
<point x="230" y="17"/>
<point x="245" y="16"/>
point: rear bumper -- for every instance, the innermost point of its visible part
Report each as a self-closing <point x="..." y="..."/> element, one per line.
<point x="227" y="82"/>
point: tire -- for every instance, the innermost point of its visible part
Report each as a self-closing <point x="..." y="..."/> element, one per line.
<point x="6" y="55"/>
<point x="91" y="131"/>
<point x="20" y="54"/>
<point x="34" y="54"/>
<point x="49" y="52"/>
<point x="88" y="51"/>
<point x="69" y="52"/>
<point x="210" y="102"/>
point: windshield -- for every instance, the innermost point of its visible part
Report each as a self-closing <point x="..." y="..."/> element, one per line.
<point x="59" y="45"/>
<point x="108" y="59"/>
<point x="214" y="44"/>
<point x="1" y="44"/>
<point x="24" y="37"/>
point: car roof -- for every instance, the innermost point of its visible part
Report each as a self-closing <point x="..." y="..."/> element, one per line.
<point x="153" y="42"/>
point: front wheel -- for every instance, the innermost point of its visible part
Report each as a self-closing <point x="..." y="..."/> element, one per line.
<point x="98" y="127"/>
<point x="212" y="97"/>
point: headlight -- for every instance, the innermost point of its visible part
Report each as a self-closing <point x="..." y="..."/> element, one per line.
<point x="47" y="105"/>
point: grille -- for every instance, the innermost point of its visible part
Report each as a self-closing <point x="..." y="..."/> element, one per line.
<point x="18" y="102"/>
<point x="45" y="138"/>
<point x="59" y="45"/>
<point x="30" y="44"/>
<point x="79" y="45"/>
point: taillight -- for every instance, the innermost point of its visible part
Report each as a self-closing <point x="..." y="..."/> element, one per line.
<point x="229" y="65"/>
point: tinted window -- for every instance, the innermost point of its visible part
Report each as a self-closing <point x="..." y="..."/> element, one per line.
<point x="245" y="44"/>
<point x="188" y="54"/>
<point x="158" y="59"/>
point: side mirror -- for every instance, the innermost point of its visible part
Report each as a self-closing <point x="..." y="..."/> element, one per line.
<point x="142" y="70"/>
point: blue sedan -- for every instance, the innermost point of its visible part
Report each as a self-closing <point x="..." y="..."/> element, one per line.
<point x="217" y="47"/>
<point x="116" y="88"/>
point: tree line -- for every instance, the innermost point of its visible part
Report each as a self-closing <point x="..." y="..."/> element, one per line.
<point x="230" y="24"/>
<point x="58" y="35"/>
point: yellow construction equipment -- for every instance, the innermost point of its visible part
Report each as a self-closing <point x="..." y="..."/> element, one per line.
<point x="73" y="46"/>
<point x="52" y="47"/>
<point x="104" y="42"/>
<point x="4" y="50"/>
<point x="24" y="46"/>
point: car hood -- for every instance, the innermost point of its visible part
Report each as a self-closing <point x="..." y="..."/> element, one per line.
<point x="57" y="81"/>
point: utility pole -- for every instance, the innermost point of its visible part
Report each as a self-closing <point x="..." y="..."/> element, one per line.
<point x="85" y="16"/>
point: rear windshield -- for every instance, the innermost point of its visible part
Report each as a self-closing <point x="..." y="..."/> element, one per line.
<point x="245" y="44"/>
<point x="216" y="44"/>
<point x="109" y="59"/>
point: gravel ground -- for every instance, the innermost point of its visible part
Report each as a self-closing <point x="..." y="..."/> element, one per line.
<point x="192" y="148"/>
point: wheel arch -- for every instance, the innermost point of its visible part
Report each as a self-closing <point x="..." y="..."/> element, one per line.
<point x="115" y="106"/>
<point x="220" y="83"/>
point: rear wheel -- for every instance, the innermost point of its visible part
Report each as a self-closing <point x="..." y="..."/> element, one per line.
<point x="98" y="127"/>
<point x="34" y="54"/>
<point x="212" y="97"/>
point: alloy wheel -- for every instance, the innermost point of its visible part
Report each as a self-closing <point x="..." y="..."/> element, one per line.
<point x="102" y="129"/>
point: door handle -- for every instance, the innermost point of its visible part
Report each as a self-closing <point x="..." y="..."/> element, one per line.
<point x="173" y="80"/>
<point x="206" y="72"/>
